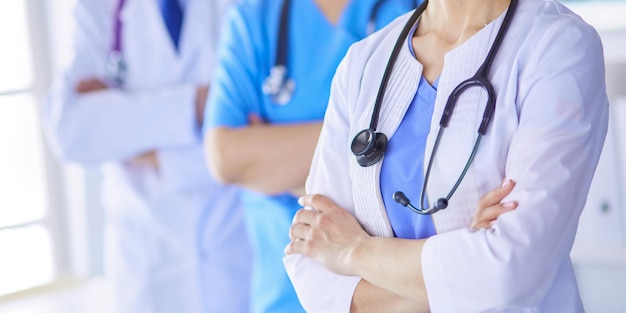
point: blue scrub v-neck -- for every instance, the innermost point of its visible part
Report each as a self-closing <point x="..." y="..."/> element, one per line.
<point x="403" y="165"/>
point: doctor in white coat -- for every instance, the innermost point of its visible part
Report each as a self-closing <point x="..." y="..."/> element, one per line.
<point x="546" y="134"/>
<point x="176" y="240"/>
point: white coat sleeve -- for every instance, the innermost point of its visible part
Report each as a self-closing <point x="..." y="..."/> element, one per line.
<point x="112" y="124"/>
<point x="318" y="289"/>
<point x="184" y="168"/>
<point x="563" y="117"/>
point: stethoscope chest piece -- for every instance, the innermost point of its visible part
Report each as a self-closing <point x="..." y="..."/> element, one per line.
<point x="116" y="68"/>
<point x="369" y="147"/>
<point x="278" y="86"/>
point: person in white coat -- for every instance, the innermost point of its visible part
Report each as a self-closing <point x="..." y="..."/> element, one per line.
<point x="176" y="240"/>
<point x="546" y="134"/>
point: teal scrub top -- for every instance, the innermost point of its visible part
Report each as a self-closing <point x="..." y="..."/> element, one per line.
<point x="246" y="53"/>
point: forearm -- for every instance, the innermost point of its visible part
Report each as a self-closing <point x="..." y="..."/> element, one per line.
<point x="393" y="265"/>
<point x="117" y="125"/>
<point x="267" y="158"/>
<point x="368" y="298"/>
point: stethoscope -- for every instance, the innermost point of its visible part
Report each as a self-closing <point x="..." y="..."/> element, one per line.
<point x="278" y="85"/>
<point x="116" y="66"/>
<point x="369" y="146"/>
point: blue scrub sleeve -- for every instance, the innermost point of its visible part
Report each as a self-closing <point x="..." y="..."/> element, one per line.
<point x="234" y="93"/>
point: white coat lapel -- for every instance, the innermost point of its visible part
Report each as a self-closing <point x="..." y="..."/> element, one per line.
<point x="151" y="57"/>
<point x="192" y="27"/>
<point x="458" y="138"/>
<point x="403" y="82"/>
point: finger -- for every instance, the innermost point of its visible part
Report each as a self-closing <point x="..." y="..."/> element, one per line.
<point x="298" y="232"/>
<point x="304" y="216"/>
<point x="296" y="247"/>
<point x="493" y="212"/>
<point x="482" y="224"/>
<point x="82" y="87"/>
<point x="99" y="85"/>
<point x="90" y="85"/>
<point x="254" y="119"/>
<point x="495" y="196"/>
<point x="319" y="202"/>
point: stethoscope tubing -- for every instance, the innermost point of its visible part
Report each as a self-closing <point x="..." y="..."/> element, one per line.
<point x="282" y="51"/>
<point x="479" y="79"/>
<point x="392" y="61"/>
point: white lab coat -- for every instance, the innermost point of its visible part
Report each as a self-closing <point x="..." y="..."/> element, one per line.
<point x="547" y="134"/>
<point x="176" y="239"/>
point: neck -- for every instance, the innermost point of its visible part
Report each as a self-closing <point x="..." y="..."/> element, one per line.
<point x="457" y="20"/>
<point x="332" y="9"/>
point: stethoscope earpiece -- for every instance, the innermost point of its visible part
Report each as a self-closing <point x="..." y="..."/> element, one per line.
<point x="369" y="147"/>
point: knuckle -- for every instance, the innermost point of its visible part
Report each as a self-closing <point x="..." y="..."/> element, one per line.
<point x="314" y="234"/>
<point x="322" y="219"/>
<point x="315" y="198"/>
<point x="292" y="232"/>
<point x="297" y="216"/>
<point x="301" y="215"/>
<point x="307" y="247"/>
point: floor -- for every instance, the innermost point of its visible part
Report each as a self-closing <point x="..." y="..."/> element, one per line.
<point x="76" y="297"/>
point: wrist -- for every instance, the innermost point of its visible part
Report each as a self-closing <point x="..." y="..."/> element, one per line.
<point x="358" y="255"/>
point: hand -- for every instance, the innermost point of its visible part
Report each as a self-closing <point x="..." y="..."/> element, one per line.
<point x="201" y="94"/>
<point x="328" y="233"/>
<point x="90" y="85"/>
<point x="490" y="206"/>
<point x="149" y="158"/>
<point x="255" y="120"/>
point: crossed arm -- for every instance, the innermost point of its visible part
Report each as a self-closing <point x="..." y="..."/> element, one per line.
<point x="266" y="158"/>
<point x="390" y="268"/>
<point x="149" y="158"/>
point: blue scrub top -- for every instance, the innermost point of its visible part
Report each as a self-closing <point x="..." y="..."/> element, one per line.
<point x="403" y="165"/>
<point x="246" y="53"/>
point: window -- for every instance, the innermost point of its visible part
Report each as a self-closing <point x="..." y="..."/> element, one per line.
<point x="28" y="241"/>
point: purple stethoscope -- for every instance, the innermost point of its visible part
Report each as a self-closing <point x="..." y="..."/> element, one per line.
<point x="116" y="67"/>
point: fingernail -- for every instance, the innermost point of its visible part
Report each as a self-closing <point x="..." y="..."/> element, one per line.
<point x="508" y="205"/>
<point x="301" y="201"/>
<point x="506" y="182"/>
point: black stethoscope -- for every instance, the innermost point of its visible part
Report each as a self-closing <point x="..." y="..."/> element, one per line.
<point x="278" y="85"/>
<point x="369" y="146"/>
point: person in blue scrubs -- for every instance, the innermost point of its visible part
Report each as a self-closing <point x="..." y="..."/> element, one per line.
<point x="267" y="147"/>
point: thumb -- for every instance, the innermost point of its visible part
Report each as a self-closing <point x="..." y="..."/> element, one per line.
<point x="319" y="203"/>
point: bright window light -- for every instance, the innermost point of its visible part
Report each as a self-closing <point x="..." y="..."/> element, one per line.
<point x="23" y="196"/>
<point x="16" y="60"/>
<point x="26" y="259"/>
